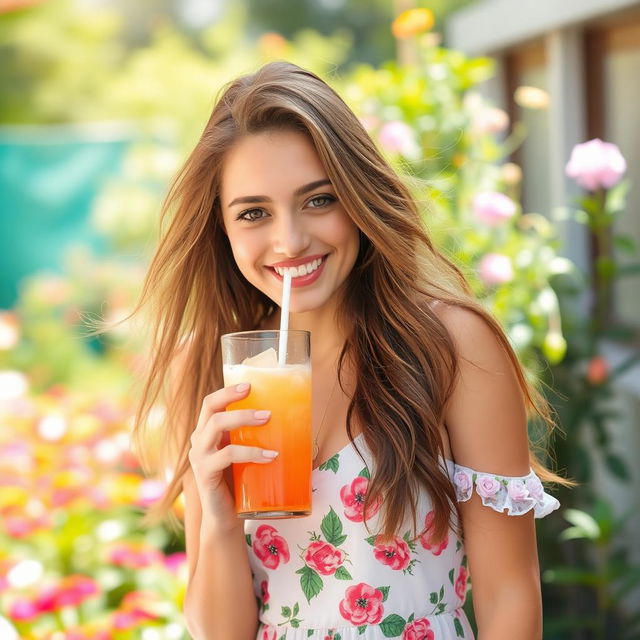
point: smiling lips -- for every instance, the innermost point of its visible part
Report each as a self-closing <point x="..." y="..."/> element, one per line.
<point x="304" y="271"/>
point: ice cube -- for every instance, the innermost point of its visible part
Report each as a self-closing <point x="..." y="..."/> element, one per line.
<point x="268" y="358"/>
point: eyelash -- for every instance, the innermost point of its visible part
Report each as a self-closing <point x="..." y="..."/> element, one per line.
<point x="243" y="214"/>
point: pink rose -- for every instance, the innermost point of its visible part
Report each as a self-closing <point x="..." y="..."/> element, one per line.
<point x="517" y="490"/>
<point x="493" y="208"/>
<point x="270" y="548"/>
<point x="464" y="483"/>
<point x="487" y="486"/>
<point x="395" y="554"/>
<point x="535" y="488"/>
<point x="323" y="557"/>
<point x="596" y="165"/>
<point x="461" y="583"/>
<point x="362" y="604"/>
<point x="495" y="268"/>
<point x="264" y="592"/>
<point x="398" y="137"/>
<point x="353" y="496"/>
<point x="426" y="539"/>
<point x="419" y="629"/>
<point x="269" y="633"/>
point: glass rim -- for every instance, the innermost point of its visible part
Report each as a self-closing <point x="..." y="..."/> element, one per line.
<point x="260" y="334"/>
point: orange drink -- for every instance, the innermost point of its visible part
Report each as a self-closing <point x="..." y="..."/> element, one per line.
<point x="282" y="488"/>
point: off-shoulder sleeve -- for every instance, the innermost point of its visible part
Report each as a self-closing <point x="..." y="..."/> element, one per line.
<point x="516" y="495"/>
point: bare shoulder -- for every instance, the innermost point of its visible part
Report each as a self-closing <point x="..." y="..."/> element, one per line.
<point x="475" y="340"/>
<point x="486" y="417"/>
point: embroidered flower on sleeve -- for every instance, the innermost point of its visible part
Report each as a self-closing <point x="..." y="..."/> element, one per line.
<point x="517" y="490"/>
<point x="487" y="486"/>
<point x="353" y="495"/>
<point x="426" y="539"/>
<point x="270" y="548"/>
<point x="362" y="604"/>
<point x="395" y="554"/>
<point x="419" y="629"/>
<point x="535" y="488"/>
<point x="323" y="557"/>
<point x="464" y="484"/>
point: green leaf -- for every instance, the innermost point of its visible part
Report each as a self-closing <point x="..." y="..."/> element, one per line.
<point x="248" y="538"/>
<point x="365" y="473"/>
<point x="441" y="607"/>
<point x="451" y="576"/>
<point x="392" y="626"/>
<point x="342" y="574"/>
<point x="296" y="609"/>
<point x="433" y="597"/>
<point x="332" y="464"/>
<point x="310" y="632"/>
<point x="332" y="528"/>
<point x="385" y="592"/>
<point x="285" y="612"/>
<point x="583" y="521"/>
<point x="625" y="243"/>
<point x="371" y="540"/>
<point x="441" y="593"/>
<point x="295" y="623"/>
<point x="361" y="629"/>
<point x="310" y="582"/>
<point x="459" y="630"/>
<point x="617" y="466"/>
<point x="410" y="618"/>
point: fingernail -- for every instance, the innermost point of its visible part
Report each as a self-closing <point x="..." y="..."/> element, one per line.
<point x="267" y="453"/>
<point x="261" y="415"/>
<point x="242" y="387"/>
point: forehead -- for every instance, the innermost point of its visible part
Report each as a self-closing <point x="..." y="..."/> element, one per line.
<point x="270" y="162"/>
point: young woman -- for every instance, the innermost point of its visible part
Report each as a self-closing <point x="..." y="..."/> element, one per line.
<point x="423" y="473"/>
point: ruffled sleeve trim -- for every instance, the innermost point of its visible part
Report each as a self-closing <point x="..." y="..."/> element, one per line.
<point x="515" y="494"/>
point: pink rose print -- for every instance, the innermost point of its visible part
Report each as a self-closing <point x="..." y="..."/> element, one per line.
<point x="517" y="491"/>
<point x="264" y="589"/>
<point x="394" y="554"/>
<point x="419" y="629"/>
<point x="353" y="496"/>
<point x="535" y="488"/>
<point x="461" y="583"/>
<point x="323" y="557"/>
<point x="362" y="604"/>
<point x="463" y="482"/>
<point x="426" y="539"/>
<point x="487" y="486"/>
<point x="269" y="633"/>
<point x="270" y="547"/>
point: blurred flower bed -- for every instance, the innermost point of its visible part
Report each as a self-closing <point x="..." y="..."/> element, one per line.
<point x="74" y="561"/>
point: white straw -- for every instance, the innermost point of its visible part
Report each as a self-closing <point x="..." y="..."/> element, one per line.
<point x="284" y="317"/>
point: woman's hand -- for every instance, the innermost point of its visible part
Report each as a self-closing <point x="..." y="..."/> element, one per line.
<point x="211" y="454"/>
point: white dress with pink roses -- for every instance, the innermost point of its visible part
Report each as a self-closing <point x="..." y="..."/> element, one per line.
<point x="326" y="577"/>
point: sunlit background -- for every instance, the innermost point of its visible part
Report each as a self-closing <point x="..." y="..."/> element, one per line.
<point x="479" y="103"/>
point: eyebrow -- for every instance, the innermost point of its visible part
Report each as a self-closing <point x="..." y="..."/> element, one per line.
<point x="298" y="192"/>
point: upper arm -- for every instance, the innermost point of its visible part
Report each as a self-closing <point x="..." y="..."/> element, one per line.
<point x="192" y="520"/>
<point x="486" y="421"/>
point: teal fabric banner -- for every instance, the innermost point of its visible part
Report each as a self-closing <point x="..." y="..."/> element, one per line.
<point x="49" y="178"/>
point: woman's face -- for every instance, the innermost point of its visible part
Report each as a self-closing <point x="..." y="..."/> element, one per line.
<point x="281" y="211"/>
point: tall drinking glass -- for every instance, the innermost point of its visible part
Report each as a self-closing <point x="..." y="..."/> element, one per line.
<point x="282" y="488"/>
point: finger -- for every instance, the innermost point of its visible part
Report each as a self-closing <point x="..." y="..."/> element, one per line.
<point x="218" y="400"/>
<point x="234" y="453"/>
<point x="209" y="435"/>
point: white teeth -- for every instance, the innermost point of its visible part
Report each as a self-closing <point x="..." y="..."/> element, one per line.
<point x="302" y="270"/>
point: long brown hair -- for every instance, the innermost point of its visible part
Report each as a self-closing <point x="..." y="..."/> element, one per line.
<point x="195" y="293"/>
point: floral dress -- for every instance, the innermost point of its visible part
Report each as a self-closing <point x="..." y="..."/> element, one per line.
<point x="328" y="577"/>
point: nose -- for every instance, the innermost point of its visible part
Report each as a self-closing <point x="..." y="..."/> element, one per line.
<point x="290" y="237"/>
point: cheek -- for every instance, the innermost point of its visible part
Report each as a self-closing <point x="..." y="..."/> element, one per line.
<point x="245" y="251"/>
